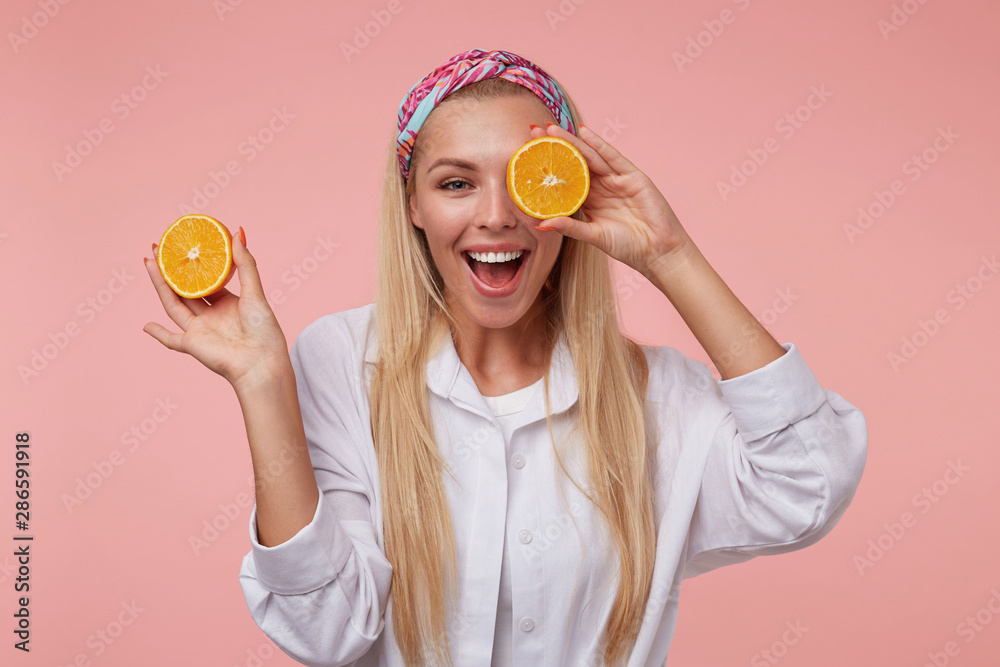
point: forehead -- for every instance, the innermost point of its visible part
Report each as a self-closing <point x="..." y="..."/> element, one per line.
<point x="469" y="126"/>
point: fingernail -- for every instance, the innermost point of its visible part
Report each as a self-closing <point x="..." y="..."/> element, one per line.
<point x="144" y="260"/>
<point x="153" y="246"/>
<point x="534" y="127"/>
<point x="545" y="229"/>
<point x="243" y="237"/>
<point x="547" y="123"/>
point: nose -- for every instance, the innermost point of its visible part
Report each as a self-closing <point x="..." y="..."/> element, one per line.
<point x="497" y="209"/>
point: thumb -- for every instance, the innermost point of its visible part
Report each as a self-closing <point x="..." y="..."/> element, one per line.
<point x="246" y="267"/>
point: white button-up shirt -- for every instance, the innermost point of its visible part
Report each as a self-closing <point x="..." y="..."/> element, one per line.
<point x="763" y="463"/>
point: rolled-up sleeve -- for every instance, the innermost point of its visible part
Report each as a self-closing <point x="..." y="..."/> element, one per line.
<point x="321" y="595"/>
<point x="782" y="466"/>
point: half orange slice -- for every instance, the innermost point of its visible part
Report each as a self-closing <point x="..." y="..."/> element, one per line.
<point x="195" y="256"/>
<point x="548" y="177"/>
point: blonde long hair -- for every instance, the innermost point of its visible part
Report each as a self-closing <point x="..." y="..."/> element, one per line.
<point x="612" y="375"/>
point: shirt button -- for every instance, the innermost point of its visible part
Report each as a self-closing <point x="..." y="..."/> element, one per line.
<point x="527" y="625"/>
<point x="517" y="461"/>
<point x="524" y="536"/>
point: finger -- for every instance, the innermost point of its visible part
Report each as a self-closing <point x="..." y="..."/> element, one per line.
<point x="169" y="339"/>
<point x="597" y="164"/>
<point x="573" y="228"/>
<point x="609" y="154"/>
<point x="246" y="267"/>
<point x="197" y="306"/>
<point x="173" y="305"/>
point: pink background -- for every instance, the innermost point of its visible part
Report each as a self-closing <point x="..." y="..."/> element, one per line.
<point x="779" y="241"/>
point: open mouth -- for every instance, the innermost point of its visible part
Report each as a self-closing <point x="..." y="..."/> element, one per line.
<point x="498" y="272"/>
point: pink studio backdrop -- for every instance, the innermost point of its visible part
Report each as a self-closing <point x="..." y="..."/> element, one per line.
<point x="117" y="114"/>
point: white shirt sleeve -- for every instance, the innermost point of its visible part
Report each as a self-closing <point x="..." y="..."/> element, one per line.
<point x="321" y="595"/>
<point x="782" y="466"/>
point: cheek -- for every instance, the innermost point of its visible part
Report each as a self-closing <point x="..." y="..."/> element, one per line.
<point x="442" y="245"/>
<point x="444" y="223"/>
<point x="550" y="245"/>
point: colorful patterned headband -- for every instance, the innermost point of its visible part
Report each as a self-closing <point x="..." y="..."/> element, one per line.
<point x="466" y="68"/>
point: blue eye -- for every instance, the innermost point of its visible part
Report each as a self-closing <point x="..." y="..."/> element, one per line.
<point x="444" y="186"/>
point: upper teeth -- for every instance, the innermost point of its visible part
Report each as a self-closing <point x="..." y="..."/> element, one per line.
<point x="495" y="256"/>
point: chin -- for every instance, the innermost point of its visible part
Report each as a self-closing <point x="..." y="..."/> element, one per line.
<point x="492" y="315"/>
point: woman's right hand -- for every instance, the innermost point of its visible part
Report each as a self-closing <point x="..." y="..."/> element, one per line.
<point x="237" y="337"/>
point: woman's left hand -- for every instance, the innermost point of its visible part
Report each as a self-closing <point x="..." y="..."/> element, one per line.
<point x="627" y="216"/>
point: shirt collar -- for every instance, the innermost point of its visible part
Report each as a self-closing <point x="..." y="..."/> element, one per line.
<point x="449" y="378"/>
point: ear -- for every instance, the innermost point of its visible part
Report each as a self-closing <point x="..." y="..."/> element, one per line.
<point x="414" y="216"/>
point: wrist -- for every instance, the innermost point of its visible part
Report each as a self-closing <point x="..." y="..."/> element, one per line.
<point x="265" y="376"/>
<point x="665" y="269"/>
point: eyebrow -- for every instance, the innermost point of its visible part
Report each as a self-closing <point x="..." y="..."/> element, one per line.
<point x="453" y="161"/>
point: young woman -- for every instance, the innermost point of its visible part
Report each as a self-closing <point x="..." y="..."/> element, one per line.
<point x="479" y="468"/>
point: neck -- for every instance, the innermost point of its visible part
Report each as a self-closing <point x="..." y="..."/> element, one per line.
<point x="503" y="359"/>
